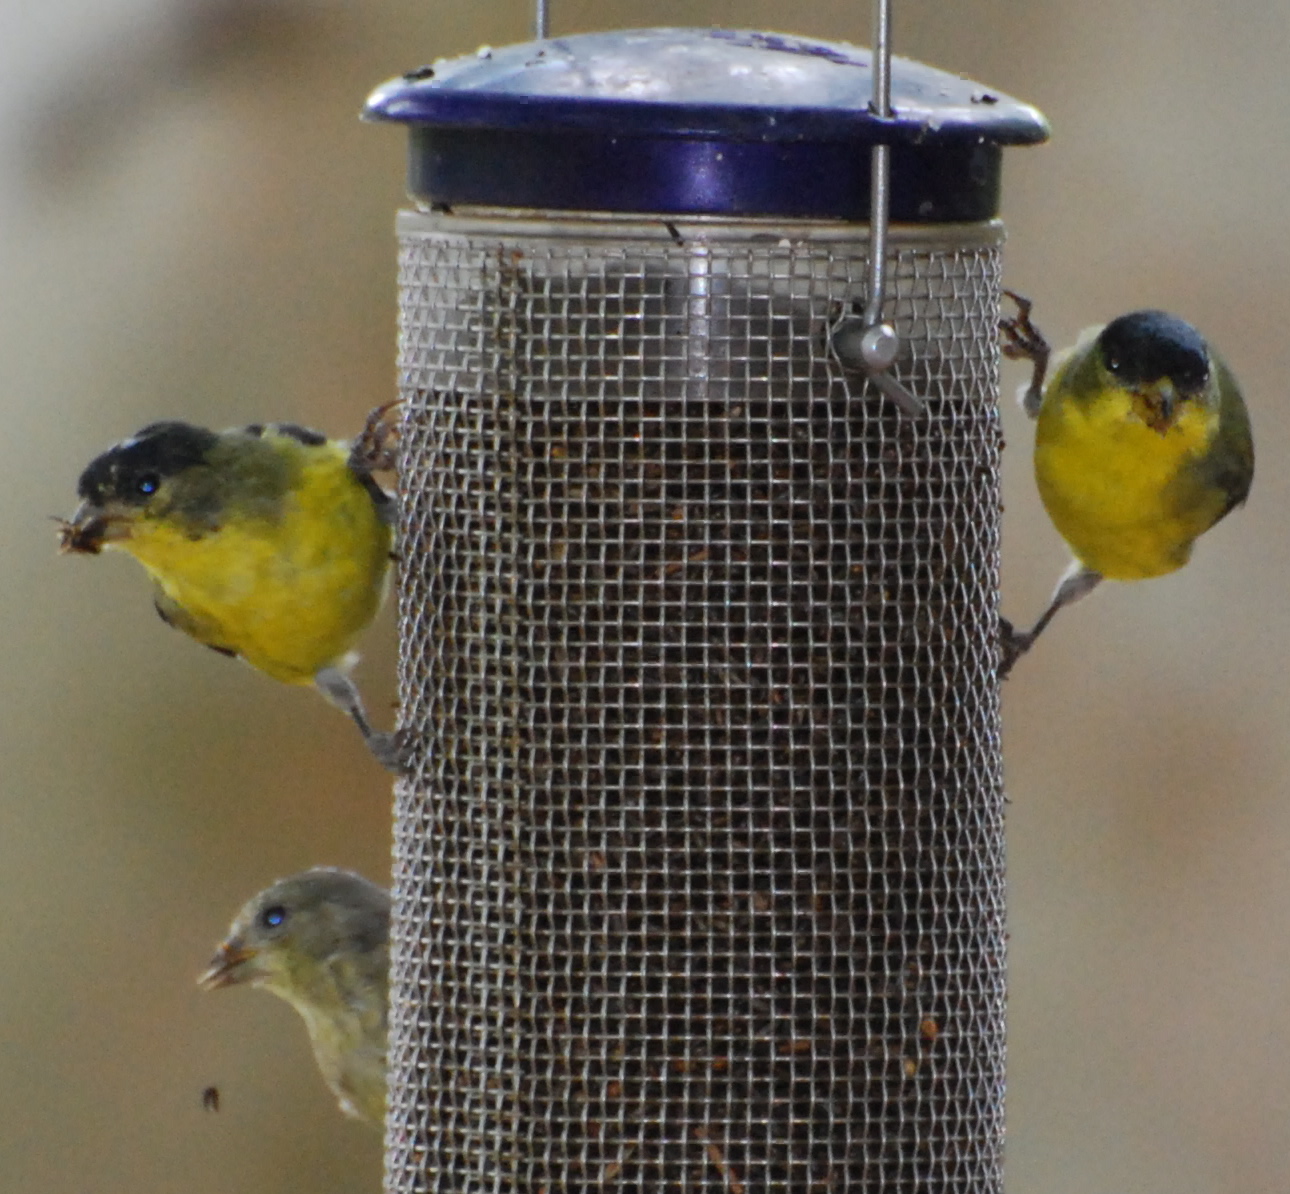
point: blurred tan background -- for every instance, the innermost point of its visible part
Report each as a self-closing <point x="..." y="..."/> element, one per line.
<point x="194" y="224"/>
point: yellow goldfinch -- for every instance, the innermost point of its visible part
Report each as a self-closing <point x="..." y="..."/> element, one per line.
<point x="1142" y="443"/>
<point x="267" y="542"/>
<point x="320" y="940"/>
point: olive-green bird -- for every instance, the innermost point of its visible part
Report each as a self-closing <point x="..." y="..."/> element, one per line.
<point x="269" y="542"/>
<point x="1142" y="443"/>
<point x="320" y="940"/>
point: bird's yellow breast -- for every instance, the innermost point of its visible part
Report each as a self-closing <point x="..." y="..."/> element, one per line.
<point x="1120" y="492"/>
<point x="290" y="592"/>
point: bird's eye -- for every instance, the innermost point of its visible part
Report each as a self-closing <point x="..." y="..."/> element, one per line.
<point x="272" y="917"/>
<point x="1113" y="363"/>
<point x="148" y="484"/>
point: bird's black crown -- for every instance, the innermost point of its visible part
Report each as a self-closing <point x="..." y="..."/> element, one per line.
<point x="131" y="470"/>
<point x="1145" y="346"/>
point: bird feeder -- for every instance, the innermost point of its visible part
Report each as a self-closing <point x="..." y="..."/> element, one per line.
<point x="698" y="877"/>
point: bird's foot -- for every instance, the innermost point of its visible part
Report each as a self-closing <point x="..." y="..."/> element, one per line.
<point x="375" y="449"/>
<point x="1013" y="644"/>
<point x="1022" y="341"/>
<point x="392" y="749"/>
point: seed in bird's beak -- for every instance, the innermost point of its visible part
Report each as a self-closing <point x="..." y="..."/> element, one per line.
<point x="89" y="529"/>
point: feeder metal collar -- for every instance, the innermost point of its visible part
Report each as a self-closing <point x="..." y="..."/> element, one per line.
<point x="700" y="121"/>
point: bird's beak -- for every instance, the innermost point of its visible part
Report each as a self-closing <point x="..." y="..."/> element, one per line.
<point x="228" y="967"/>
<point x="1167" y="397"/>
<point x="1160" y="403"/>
<point x="90" y="529"/>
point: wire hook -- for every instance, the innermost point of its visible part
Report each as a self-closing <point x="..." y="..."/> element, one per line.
<point x="876" y="347"/>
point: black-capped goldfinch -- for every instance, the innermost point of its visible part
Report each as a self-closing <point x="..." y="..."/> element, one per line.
<point x="1142" y="443"/>
<point x="320" y="940"/>
<point x="269" y="542"/>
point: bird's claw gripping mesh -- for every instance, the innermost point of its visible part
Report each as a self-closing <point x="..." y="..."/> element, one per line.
<point x="699" y="866"/>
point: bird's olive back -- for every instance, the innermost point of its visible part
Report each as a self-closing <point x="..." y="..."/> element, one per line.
<point x="302" y="435"/>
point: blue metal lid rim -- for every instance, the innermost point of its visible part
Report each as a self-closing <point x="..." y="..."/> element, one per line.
<point x="701" y="122"/>
<point x="714" y="83"/>
<point x="945" y="183"/>
<point x="397" y="102"/>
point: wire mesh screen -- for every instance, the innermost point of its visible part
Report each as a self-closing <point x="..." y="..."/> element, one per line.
<point x="699" y="867"/>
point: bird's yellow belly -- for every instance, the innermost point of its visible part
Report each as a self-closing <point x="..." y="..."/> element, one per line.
<point x="291" y="595"/>
<point x="1119" y="492"/>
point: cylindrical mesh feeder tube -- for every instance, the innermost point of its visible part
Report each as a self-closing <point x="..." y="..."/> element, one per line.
<point x="699" y="862"/>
